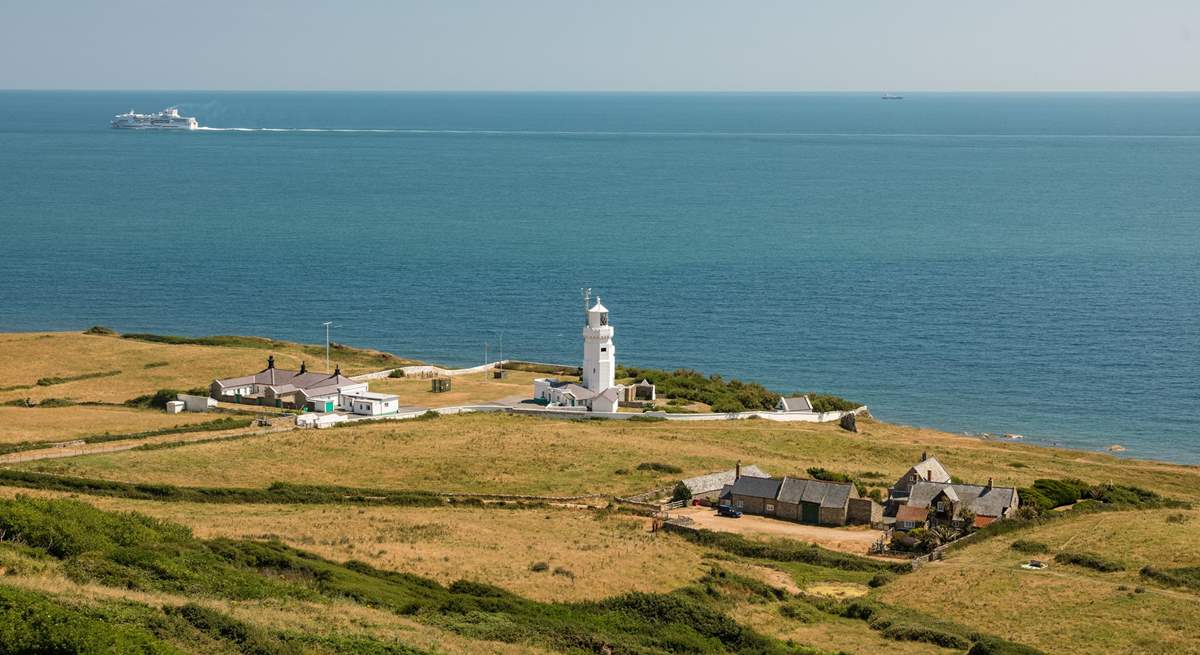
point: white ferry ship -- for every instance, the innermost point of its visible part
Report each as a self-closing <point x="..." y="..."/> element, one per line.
<point x="167" y="119"/>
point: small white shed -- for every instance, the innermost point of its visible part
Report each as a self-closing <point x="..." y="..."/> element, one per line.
<point x="196" y="403"/>
<point x="174" y="406"/>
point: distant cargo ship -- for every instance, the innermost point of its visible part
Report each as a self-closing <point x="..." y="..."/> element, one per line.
<point x="167" y="119"/>
<point x="889" y="96"/>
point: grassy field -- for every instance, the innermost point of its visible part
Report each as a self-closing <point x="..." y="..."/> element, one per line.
<point x="1069" y="609"/>
<point x="601" y="555"/>
<point x="144" y="367"/>
<point x="465" y="389"/>
<point x="20" y="424"/>
<point x="512" y="454"/>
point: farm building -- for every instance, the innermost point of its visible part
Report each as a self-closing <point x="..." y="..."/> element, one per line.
<point x="946" y="503"/>
<point x="709" y="486"/>
<point x="818" y="502"/>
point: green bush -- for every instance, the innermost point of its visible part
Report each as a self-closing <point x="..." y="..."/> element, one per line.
<point x="248" y="639"/>
<point x="643" y="418"/>
<point x="681" y="492"/>
<point x="539" y="567"/>
<point x="1029" y="547"/>
<point x="1089" y="560"/>
<point x="1061" y="492"/>
<point x="101" y="331"/>
<point x="989" y="645"/>
<point x="823" y="402"/>
<point x="907" y="632"/>
<point x="880" y="579"/>
<point x="1187" y="577"/>
<point x="659" y="467"/>
<point x="33" y="624"/>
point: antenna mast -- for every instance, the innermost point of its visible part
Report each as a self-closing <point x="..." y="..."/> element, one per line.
<point x="587" y="300"/>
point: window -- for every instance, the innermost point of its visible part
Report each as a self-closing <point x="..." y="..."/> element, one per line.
<point x="770" y="507"/>
<point x="604" y="318"/>
<point x="740" y="504"/>
<point x="604" y="350"/>
<point x="941" y="506"/>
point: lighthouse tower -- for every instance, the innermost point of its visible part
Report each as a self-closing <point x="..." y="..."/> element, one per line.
<point x="599" y="355"/>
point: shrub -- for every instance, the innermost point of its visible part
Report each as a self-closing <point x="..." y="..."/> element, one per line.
<point x="681" y="492"/>
<point x="249" y="639"/>
<point x="1178" y="518"/>
<point x="51" y="381"/>
<point x="101" y="331"/>
<point x="801" y="611"/>
<point x="823" y="402"/>
<point x="907" y="632"/>
<point x="156" y="364"/>
<point x="659" y="467"/>
<point x="539" y="567"/>
<point x="1187" y="577"/>
<point x="1029" y="547"/>
<point x="880" y="579"/>
<point x="396" y="373"/>
<point x="989" y="645"/>
<point x="1089" y="560"/>
<point x="1061" y="492"/>
<point x="643" y="418"/>
<point x="566" y="573"/>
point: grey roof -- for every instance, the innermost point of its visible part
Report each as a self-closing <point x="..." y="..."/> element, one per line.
<point x="822" y="492"/>
<point x="579" y="391"/>
<point x="984" y="501"/>
<point x="930" y="470"/>
<point x="756" y="487"/>
<point x="285" y="381"/>
<point x="702" y="484"/>
<point x="796" y="404"/>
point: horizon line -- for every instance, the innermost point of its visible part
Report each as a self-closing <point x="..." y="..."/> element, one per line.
<point x="623" y="91"/>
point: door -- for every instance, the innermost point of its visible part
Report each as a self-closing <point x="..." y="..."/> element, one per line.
<point x="810" y="513"/>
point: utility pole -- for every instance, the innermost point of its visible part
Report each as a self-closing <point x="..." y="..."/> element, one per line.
<point x="485" y="360"/>
<point x="327" y="324"/>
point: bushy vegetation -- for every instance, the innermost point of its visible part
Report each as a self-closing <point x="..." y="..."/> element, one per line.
<point x="135" y="552"/>
<point x="160" y="398"/>
<point x="33" y="624"/>
<point x="546" y="369"/>
<point x="277" y="493"/>
<point x="1089" y="560"/>
<point x="101" y="330"/>
<point x="1029" y="547"/>
<point x="823" y="402"/>
<point x="819" y="473"/>
<point x="722" y="395"/>
<point x="659" y="467"/>
<point x="989" y="645"/>
<point x="1187" y="577"/>
<point x="51" y="381"/>
<point x="1047" y="494"/>
<point x="681" y="492"/>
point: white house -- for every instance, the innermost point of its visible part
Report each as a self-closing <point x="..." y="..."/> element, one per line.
<point x="279" y="386"/>
<point x="597" y="390"/>
<point x="367" y="403"/>
<point x="196" y="403"/>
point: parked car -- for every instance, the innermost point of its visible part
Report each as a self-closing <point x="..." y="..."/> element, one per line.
<point x="729" y="512"/>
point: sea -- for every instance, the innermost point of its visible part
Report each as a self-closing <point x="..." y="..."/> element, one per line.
<point x="979" y="263"/>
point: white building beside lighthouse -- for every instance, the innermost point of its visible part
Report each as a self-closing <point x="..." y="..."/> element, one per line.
<point x="597" y="390"/>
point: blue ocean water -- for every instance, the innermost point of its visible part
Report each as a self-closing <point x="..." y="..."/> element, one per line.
<point x="999" y="263"/>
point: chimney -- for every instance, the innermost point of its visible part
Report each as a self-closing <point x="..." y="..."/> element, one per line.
<point x="929" y="476"/>
<point x="338" y="370"/>
<point x="737" y="471"/>
<point x="924" y="456"/>
<point x="303" y="368"/>
<point x="271" y="361"/>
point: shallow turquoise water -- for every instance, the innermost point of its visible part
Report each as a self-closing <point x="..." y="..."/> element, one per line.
<point x="1001" y="263"/>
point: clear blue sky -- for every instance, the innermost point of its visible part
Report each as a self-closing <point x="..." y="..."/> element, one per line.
<point x="796" y="45"/>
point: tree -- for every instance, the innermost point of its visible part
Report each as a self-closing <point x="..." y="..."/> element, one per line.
<point x="681" y="492"/>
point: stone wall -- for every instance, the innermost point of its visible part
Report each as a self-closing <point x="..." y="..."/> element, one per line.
<point x="864" y="511"/>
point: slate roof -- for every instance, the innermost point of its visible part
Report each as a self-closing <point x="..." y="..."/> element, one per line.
<point x="984" y="501"/>
<point x="822" y="492"/>
<point x="285" y="381"/>
<point x="702" y="484"/>
<point x="929" y="470"/>
<point x="756" y="487"/>
<point x="796" y="404"/>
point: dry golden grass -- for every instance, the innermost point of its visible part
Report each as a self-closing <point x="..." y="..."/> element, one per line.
<point x="19" y="424"/>
<point x="514" y="454"/>
<point x="608" y="554"/>
<point x="1068" y="609"/>
<point x="27" y="357"/>
<point x="464" y="390"/>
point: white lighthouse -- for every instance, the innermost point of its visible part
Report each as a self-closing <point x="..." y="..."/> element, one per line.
<point x="599" y="355"/>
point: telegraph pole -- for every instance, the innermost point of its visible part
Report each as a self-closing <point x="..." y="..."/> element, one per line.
<point x="327" y="324"/>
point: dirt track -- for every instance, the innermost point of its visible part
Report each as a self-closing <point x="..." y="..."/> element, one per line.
<point x="847" y="540"/>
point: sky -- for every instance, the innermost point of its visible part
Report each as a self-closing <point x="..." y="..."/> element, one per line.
<point x="610" y="45"/>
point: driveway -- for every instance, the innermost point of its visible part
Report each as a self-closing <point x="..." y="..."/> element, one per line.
<point x="856" y="539"/>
